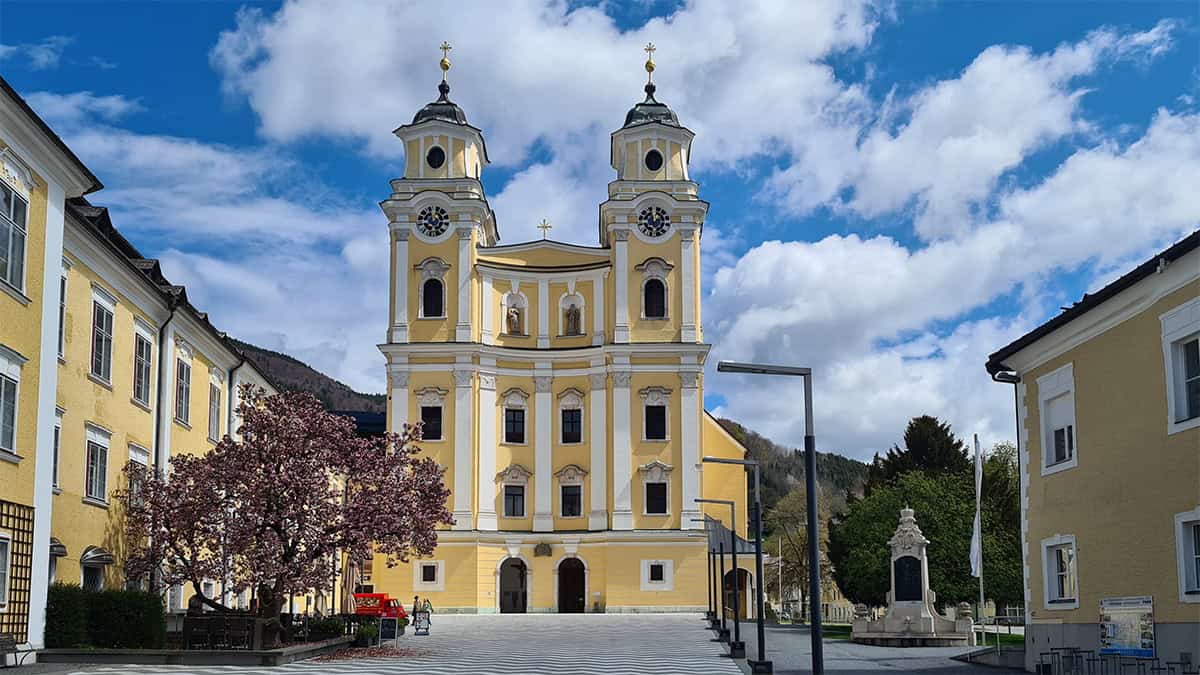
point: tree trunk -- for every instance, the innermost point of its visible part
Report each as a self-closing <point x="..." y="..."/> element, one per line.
<point x="270" y="605"/>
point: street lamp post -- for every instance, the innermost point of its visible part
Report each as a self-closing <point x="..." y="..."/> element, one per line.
<point x="737" y="648"/>
<point x="711" y="615"/>
<point x="810" y="480"/>
<point x="761" y="665"/>
<point x="723" y="632"/>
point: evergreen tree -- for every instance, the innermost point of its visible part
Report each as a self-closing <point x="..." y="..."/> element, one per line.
<point x="929" y="446"/>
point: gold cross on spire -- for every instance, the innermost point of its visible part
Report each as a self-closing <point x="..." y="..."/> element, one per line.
<point x="445" y="62"/>
<point x="649" y="49"/>
<point x="544" y="226"/>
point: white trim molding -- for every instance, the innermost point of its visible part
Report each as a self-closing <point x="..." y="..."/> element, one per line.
<point x="656" y="396"/>
<point x="668" y="573"/>
<point x="439" y="582"/>
<point x="1053" y="543"/>
<point x="656" y="471"/>
<point x="1179" y="326"/>
<point x="1056" y="396"/>
<point x="431" y="268"/>
<point x="1187" y="554"/>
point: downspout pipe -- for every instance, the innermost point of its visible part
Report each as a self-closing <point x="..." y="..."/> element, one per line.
<point x="232" y="390"/>
<point x="163" y="366"/>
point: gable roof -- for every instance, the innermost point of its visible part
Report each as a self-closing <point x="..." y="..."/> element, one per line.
<point x="54" y="138"/>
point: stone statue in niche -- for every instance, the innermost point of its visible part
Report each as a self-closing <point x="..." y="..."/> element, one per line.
<point x="573" y="324"/>
<point x="513" y="321"/>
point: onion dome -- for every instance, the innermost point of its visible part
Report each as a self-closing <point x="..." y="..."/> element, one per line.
<point x="650" y="110"/>
<point x="443" y="109"/>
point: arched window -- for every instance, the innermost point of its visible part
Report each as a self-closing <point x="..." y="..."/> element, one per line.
<point x="655" y="299"/>
<point x="433" y="299"/>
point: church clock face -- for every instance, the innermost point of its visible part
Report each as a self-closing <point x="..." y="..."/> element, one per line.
<point x="654" y="221"/>
<point x="433" y="221"/>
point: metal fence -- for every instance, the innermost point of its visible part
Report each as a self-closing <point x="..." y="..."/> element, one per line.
<point x="1074" y="661"/>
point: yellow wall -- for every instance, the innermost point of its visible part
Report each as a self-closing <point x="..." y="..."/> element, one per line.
<point x="1131" y="476"/>
<point x="192" y="438"/>
<point x="723" y="481"/>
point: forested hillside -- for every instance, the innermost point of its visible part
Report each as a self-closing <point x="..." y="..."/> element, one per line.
<point x="292" y="374"/>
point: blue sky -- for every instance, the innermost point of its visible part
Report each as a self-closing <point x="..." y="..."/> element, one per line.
<point x="897" y="189"/>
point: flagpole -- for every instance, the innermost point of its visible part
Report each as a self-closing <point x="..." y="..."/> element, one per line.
<point x="979" y="533"/>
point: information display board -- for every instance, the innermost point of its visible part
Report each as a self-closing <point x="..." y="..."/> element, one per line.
<point x="420" y="623"/>
<point x="388" y="627"/>
<point x="1127" y="626"/>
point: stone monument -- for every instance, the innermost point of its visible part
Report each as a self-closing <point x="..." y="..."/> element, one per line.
<point x="912" y="619"/>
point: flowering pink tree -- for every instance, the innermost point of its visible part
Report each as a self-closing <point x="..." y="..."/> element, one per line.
<point x="275" y="509"/>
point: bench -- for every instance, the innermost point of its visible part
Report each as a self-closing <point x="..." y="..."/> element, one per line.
<point x="8" y="645"/>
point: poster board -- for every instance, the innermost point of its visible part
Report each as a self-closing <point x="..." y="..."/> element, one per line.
<point x="388" y="627"/>
<point x="1127" y="626"/>
<point x="420" y="623"/>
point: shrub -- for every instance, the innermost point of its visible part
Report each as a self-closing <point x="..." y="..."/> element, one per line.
<point x="125" y="620"/>
<point x="66" y="616"/>
<point x="771" y="614"/>
<point x="324" y="629"/>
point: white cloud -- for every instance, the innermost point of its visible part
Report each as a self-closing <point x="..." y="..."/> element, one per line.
<point x="43" y="55"/>
<point x="72" y="109"/>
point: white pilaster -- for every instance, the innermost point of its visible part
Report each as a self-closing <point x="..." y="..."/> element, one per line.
<point x="621" y="286"/>
<point x="44" y="416"/>
<point x="543" y="333"/>
<point x="543" y="415"/>
<point x="399" y="400"/>
<point x="166" y="397"/>
<point x="485" y="331"/>
<point x="401" y="269"/>
<point x="486" y="519"/>
<point x="462" y="331"/>
<point x="598" y="310"/>
<point x="689" y="445"/>
<point x="598" y="518"/>
<point x="687" y="269"/>
<point x="622" y="475"/>
<point x="463" y="438"/>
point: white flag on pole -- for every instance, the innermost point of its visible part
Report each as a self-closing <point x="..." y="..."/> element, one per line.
<point x="977" y="532"/>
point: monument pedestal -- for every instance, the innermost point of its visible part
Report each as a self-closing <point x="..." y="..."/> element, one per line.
<point x="911" y="619"/>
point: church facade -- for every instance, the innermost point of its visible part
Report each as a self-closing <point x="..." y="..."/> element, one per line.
<point x="561" y="386"/>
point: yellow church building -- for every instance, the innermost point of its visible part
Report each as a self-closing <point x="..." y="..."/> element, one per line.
<point x="561" y="386"/>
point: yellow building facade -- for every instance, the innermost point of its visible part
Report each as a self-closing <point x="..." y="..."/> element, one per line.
<point x="1108" y="419"/>
<point x="561" y="386"/>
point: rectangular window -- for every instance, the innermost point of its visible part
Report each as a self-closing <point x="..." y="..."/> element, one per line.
<point x="57" y="447"/>
<point x="431" y="422"/>
<point x="141" y="369"/>
<point x="429" y="574"/>
<point x="514" y="501"/>
<point x="572" y="501"/>
<point x="62" y="311"/>
<point x="656" y="422"/>
<point x="141" y="457"/>
<point x="572" y="425"/>
<point x="1064" y="443"/>
<point x="102" y="341"/>
<point x="1060" y="417"/>
<point x="93" y="578"/>
<point x="656" y="499"/>
<point x="657" y="572"/>
<point x="96" y="480"/>
<point x="1195" y="558"/>
<point x="5" y="566"/>
<point x="1189" y="407"/>
<point x="183" y="390"/>
<point x="214" y="412"/>
<point x="12" y="237"/>
<point x="1062" y="577"/>
<point x="514" y="425"/>
<point x="8" y="414"/>
<point x="1058" y="430"/>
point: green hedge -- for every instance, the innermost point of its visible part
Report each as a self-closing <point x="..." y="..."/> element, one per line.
<point x="66" y="616"/>
<point x="324" y="629"/>
<point x="110" y="619"/>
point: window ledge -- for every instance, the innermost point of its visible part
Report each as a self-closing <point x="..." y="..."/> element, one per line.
<point x="1183" y="425"/>
<point x="432" y="440"/>
<point x="1060" y="605"/>
<point x="655" y="515"/>
<point x="92" y="501"/>
<point x="431" y="318"/>
<point x="15" y="292"/>
<point x="656" y="440"/>
<point x="100" y="381"/>
<point x="8" y="456"/>
<point x="1061" y="466"/>
<point x="183" y="424"/>
<point x="579" y="517"/>
<point x="143" y="406"/>
<point x="571" y="335"/>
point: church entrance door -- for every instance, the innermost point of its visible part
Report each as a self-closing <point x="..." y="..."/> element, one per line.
<point x="571" y="598"/>
<point x="512" y="586"/>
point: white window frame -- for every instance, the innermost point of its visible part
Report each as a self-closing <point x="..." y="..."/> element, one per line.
<point x="62" y="308"/>
<point x="571" y="399"/>
<point x="1057" y="383"/>
<point x="102" y="439"/>
<point x="515" y="475"/>
<point x="433" y="397"/>
<point x="432" y="268"/>
<point x="1186" y="556"/>
<point x="83" y="575"/>
<point x="439" y="582"/>
<point x="142" y="334"/>
<point x="6" y="566"/>
<point x="655" y="268"/>
<point x="571" y="475"/>
<point x="668" y="582"/>
<point x="183" y="391"/>
<point x="656" y="396"/>
<point x="514" y="399"/>
<point x="1050" y="572"/>
<point x="57" y="458"/>
<point x="214" y="412"/>
<point x="653" y="473"/>
<point x="22" y="228"/>
<point x="10" y="369"/>
<point x="103" y="300"/>
<point x="1179" y="325"/>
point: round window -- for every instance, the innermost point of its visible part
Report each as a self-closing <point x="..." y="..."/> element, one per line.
<point x="436" y="157"/>
<point x="654" y="160"/>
